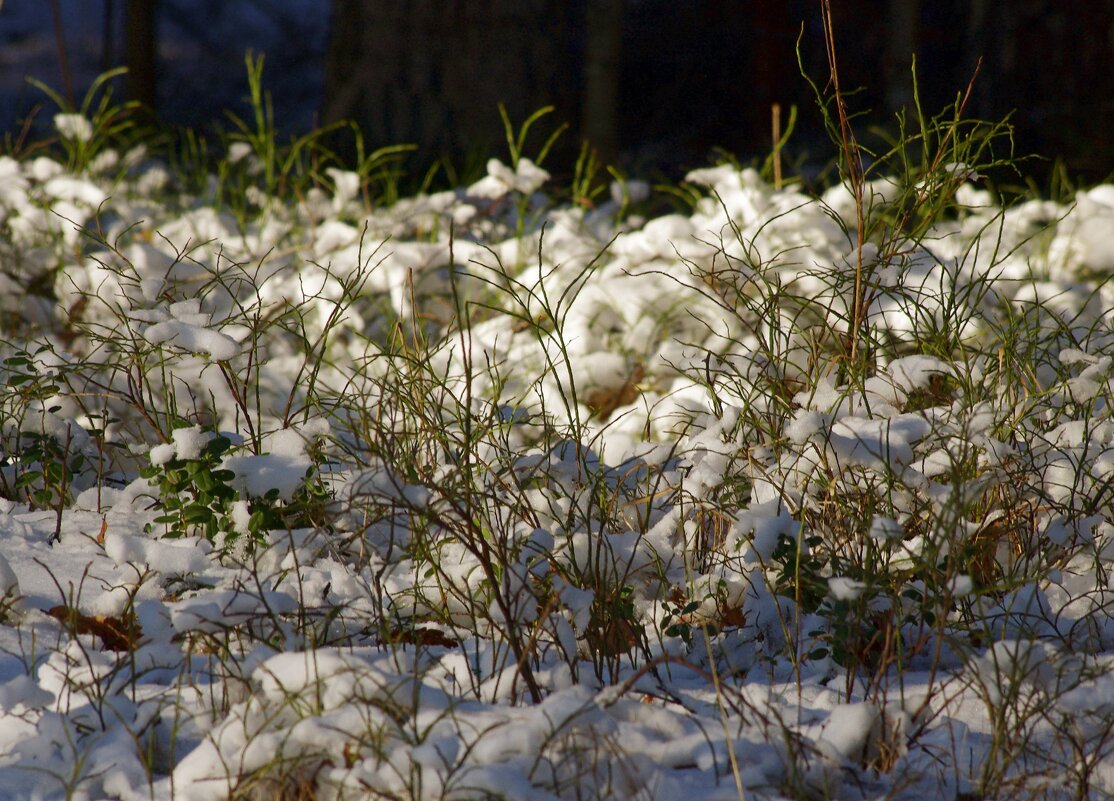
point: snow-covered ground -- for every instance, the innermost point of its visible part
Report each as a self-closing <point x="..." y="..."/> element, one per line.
<point x="273" y="521"/>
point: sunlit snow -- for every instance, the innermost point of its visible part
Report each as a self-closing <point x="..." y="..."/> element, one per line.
<point x="644" y="418"/>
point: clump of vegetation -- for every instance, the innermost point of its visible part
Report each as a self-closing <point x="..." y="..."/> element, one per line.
<point x="441" y="495"/>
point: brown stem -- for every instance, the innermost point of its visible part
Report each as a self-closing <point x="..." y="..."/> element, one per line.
<point x="854" y="167"/>
<point x="775" y="124"/>
<point x="63" y="57"/>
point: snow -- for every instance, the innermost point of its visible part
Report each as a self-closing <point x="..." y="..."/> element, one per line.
<point x="188" y="442"/>
<point x="179" y="333"/>
<point x="181" y="558"/>
<point x="845" y="589"/>
<point x="847" y="728"/>
<point x="749" y="516"/>
<point x="9" y="582"/>
<point x="162" y="454"/>
<point x="526" y="178"/>
<point x="74" y="126"/>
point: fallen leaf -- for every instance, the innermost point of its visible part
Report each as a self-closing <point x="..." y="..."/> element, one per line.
<point x="117" y="633"/>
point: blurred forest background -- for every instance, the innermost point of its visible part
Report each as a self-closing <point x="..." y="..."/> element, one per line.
<point x="654" y="85"/>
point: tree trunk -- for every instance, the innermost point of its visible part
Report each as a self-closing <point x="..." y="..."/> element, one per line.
<point x="602" y="75"/>
<point x="432" y="72"/>
<point x="139" y="55"/>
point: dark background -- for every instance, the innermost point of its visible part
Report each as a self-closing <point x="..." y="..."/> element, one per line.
<point x="655" y="85"/>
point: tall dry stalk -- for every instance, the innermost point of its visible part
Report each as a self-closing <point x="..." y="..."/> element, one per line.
<point x="852" y="165"/>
